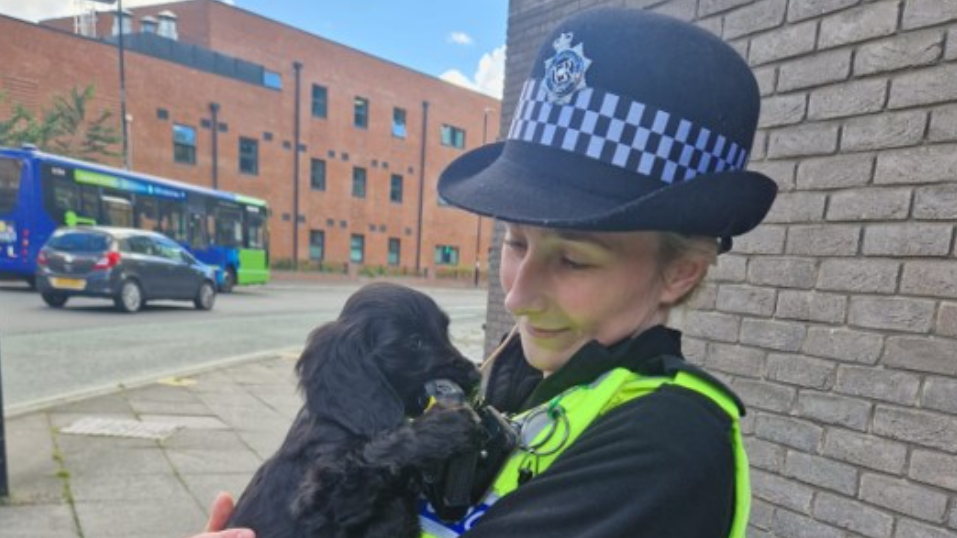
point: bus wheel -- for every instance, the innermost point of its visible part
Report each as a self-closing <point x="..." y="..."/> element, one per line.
<point x="205" y="297"/>
<point x="130" y="297"/>
<point x="56" y="300"/>
<point x="32" y="282"/>
<point x="229" y="281"/>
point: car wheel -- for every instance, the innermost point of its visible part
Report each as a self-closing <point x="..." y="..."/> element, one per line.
<point x="130" y="297"/>
<point x="205" y="297"/>
<point x="56" y="300"/>
<point x="229" y="281"/>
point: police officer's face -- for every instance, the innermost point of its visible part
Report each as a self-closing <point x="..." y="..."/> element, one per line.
<point x="568" y="288"/>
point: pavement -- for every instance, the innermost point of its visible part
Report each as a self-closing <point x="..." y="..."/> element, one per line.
<point x="147" y="461"/>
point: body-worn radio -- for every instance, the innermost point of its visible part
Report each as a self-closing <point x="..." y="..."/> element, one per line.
<point x="465" y="479"/>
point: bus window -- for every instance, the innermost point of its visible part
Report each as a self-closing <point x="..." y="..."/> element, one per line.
<point x="255" y="227"/>
<point x="147" y="213"/>
<point x="172" y="221"/>
<point x="117" y="211"/>
<point x="197" y="231"/>
<point x="90" y="203"/>
<point x="228" y="225"/>
<point x="9" y="184"/>
<point x="61" y="196"/>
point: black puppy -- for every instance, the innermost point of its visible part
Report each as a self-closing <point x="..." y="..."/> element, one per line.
<point x="350" y="465"/>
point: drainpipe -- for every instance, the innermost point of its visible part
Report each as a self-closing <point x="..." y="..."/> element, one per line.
<point x="295" y="169"/>
<point x="214" y="112"/>
<point x="418" y="234"/>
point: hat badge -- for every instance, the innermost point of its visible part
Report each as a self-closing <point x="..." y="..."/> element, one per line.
<point x="565" y="71"/>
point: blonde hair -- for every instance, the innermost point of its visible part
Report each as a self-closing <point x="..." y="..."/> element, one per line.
<point x="674" y="246"/>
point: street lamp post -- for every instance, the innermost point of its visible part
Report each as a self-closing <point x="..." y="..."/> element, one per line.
<point x="126" y="128"/>
<point x="120" y="18"/>
<point x="478" y="226"/>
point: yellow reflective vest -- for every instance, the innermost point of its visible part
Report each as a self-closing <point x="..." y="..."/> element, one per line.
<point x="553" y="426"/>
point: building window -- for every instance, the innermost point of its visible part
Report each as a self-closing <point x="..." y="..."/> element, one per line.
<point x="361" y="113"/>
<point x="357" y="248"/>
<point x="249" y="156"/>
<point x="358" y="182"/>
<point x="395" y="188"/>
<point x="320" y="101"/>
<point x="395" y="248"/>
<point x="453" y="136"/>
<point x="398" y="122"/>
<point x="272" y="80"/>
<point x="317" y="175"/>
<point x="317" y="245"/>
<point x="446" y="255"/>
<point x="184" y="144"/>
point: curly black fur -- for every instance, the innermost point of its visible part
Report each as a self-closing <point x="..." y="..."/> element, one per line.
<point x="350" y="465"/>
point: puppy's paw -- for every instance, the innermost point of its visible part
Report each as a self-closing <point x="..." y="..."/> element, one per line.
<point x="448" y="429"/>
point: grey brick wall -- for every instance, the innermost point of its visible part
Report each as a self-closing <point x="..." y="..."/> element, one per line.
<point x="836" y="320"/>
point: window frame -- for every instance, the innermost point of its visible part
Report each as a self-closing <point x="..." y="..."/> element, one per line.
<point x="272" y="80"/>
<point x="352" y="248"/>
<point x="313" y="184"/>
<point x="392" y="188"/>
<point x="321" y="234"/>
<point x="320" y="106"/>
<point x="356" y="177"/>
<point x="255" y="156"/>
<point x="441" y="259"/>
<point x="397" y="242"/>
<point x="186" y="145"/>
<point x="361" y="108"/>
<point x="400" y="130"/>
<point x="452" y="136"/>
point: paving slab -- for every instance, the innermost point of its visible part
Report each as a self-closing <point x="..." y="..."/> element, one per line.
<point x="37" y="521"/>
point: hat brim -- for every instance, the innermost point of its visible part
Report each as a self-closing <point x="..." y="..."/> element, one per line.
<point x="543" y="187"/>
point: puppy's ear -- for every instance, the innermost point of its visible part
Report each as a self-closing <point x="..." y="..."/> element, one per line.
<point x="342" y="382"/>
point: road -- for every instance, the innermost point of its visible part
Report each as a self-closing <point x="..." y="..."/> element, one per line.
<point x="49" y="355"/>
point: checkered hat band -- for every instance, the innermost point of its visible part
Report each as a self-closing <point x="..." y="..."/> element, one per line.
<point x="624" y="133"/>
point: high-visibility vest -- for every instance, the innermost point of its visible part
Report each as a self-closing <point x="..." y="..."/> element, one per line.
<point x="581" y="405"/>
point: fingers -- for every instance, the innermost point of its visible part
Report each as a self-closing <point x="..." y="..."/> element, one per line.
<point x="219" y="514"/>
<point x="220" y="511"/>
<point x="232" y="533"/>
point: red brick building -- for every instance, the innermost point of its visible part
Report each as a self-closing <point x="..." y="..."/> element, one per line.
<point x="370" y="133"/>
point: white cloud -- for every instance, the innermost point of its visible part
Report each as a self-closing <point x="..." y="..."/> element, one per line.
<point x="460" y="38"/>
<point x="489" y="76"/>
<point x="37" y="10"/>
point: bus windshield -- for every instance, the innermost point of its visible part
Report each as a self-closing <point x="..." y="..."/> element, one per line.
<point x="256" y="227"/>
<point x="9" y="184"/>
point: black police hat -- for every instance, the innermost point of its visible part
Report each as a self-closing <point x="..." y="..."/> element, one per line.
<point x="629" y="121"/>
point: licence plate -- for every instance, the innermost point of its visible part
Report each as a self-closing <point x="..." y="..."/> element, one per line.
<point x="68" y="283"/>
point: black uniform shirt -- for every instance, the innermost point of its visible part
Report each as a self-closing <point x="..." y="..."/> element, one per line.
<point x="659" y="466"/>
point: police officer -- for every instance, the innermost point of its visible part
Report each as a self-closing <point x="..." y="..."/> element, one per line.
<point x="621" y="178"/>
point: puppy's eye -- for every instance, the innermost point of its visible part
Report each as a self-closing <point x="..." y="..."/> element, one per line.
<point x="416" y="343"/>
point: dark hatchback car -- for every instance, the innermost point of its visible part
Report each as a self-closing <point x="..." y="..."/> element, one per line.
<point x="125" y="265"/>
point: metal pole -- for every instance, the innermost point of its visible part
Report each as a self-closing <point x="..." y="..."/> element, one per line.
<point x="126" y="144"/>
<point x="478" y="225"/>
<point x="418" y="235"/>
<point x="214" y="111"/>
<point x="297" y="66"/>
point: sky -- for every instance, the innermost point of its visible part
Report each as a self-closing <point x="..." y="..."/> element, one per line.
<point x="461" y="41"/>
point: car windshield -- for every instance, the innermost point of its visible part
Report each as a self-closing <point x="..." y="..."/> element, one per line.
<point x="79" y="242"/>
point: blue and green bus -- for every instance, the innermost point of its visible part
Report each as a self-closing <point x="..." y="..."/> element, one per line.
<point x="40" y="192"/>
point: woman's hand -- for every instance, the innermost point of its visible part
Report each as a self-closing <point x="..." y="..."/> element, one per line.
<point x="219" y="514"/>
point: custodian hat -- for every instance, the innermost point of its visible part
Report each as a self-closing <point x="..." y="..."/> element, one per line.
<point x="629" y="121"/>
